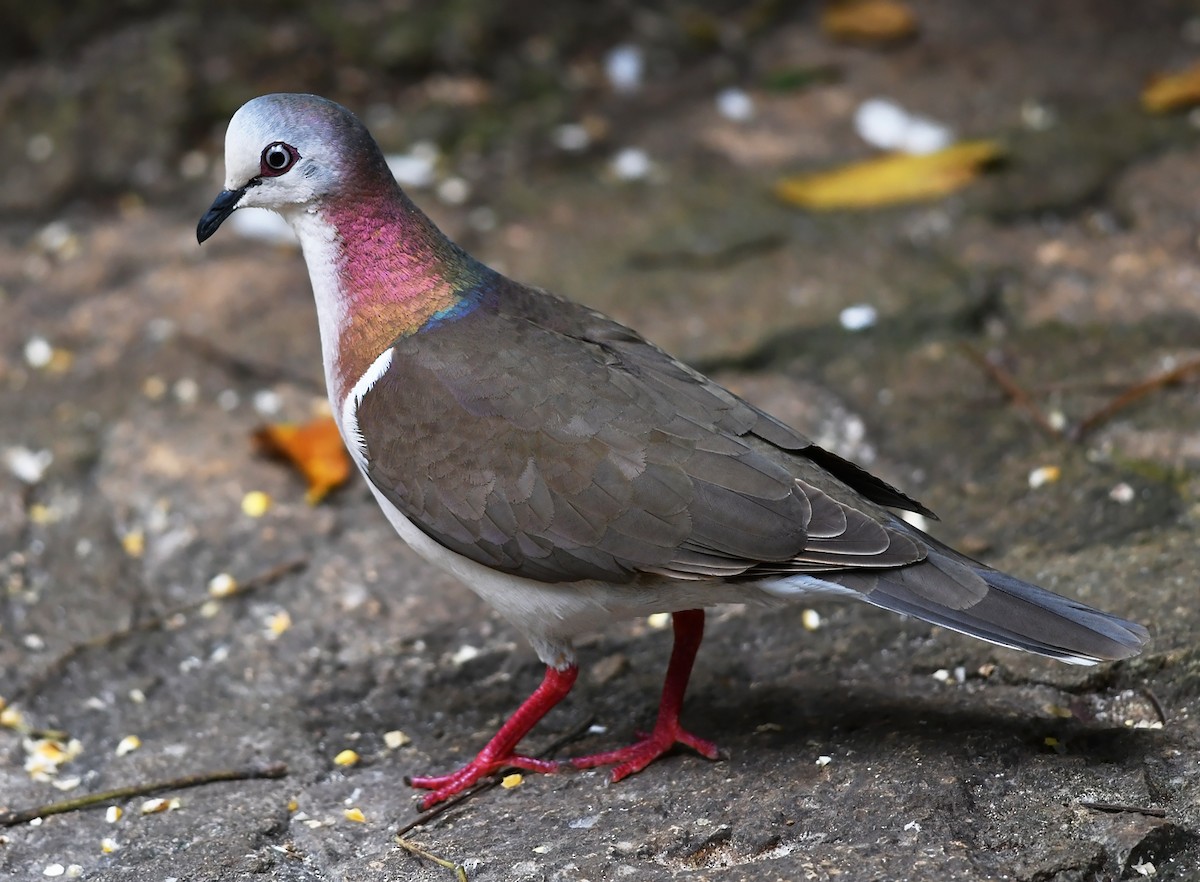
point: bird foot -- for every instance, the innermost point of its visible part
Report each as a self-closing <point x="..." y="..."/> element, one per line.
<point x="628" y="760"/>
<point x="445" y="786"/>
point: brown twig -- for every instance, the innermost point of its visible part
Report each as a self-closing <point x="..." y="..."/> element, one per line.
<point x="250" y="773"/>
<point x="460" y="872"/>
<point x="1011" y="388"/>
<point x="1134" y="393"/>
<point x="1117" y="808"/>
<point x="488" y="783"/>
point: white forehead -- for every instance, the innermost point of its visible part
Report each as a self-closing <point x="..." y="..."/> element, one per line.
<point x="256" y="124"/>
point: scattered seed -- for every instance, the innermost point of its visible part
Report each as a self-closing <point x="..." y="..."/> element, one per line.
<point x="346" y="758"/>
<point x="113" y="813"/>
<point x="222" y="585"/>
<point x="356" y="815"/>
<point x="134" y="543"/>
<point x="658" y="621"/>
<point x="508" y="782"/>
<point x="810" y="619"/>
<point x="823" y="760"/>
<point x="255" y="504"/>
<point x="1044" y="475"/>
<point x="128" y="744"/>
<point x="395" y="739"/>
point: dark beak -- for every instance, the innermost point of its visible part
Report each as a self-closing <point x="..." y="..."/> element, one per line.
<point x="222" y="207"/>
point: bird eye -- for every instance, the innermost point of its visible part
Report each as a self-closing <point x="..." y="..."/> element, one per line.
<point x="277" y="158"/>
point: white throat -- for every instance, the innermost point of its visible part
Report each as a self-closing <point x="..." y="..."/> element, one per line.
<point x="319" y="242"/>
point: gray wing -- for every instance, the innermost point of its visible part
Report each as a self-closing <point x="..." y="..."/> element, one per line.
<point x="544" y="440"/>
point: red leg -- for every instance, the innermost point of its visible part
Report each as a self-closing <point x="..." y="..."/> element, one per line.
<point x="689" y="631"/>
<point x="498" y="753"/>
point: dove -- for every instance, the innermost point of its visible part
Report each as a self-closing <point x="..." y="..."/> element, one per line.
<point x="569" y="471"/>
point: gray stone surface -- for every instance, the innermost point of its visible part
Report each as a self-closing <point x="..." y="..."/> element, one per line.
<point x="947" y="759"/>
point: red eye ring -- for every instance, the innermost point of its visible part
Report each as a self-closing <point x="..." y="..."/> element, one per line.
<point x="277" y="158"/>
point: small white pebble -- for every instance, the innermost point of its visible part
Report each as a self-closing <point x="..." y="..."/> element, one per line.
<point x="597" y="729"/>
<point x="29" y="466"/>
<point x="137" y="696"/>
<point x="464" y="654"/>
<point x="1145" y="868"/>
<point x="1037" y="117"/>
<point x="1122" y="493"/>
<point x="454" y="191"/>
<point x="810" y="619"/>
<point x="572" y="137"/>
<point x="888" y="126"/>
<point x="74" y="871"/>
<point x="631" y="164"/>
<point x="228" y="399"/>
<point x="824" y="760"/>
<point x="735" y="104"/>
<point x="912" y="826"/>
<point x="941" y="675"/>
<point x="624" y="66"/>
<point x="960" y="675"/>
<point x="540" y="849"/>
<point x="54" y="870"/>
<point x="186" y="390"/>
<point x="38" y="352"/>
<point x="34" y="642"/>
<point x="268" y="402"/>
<point x="858" y="317"/>
<point x="39" y="147"/>
<point x="417" y="168"/>
<point x="658" y="621"/>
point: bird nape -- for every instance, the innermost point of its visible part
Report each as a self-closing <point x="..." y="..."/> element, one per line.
<point x="569" y="471"/>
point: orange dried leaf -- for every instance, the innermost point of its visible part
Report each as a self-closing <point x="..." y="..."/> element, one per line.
<point x="868" y="21"/>
<point x="315" y="448"/>
<point x="1172" y="91"/>
<point x="890" y="179"/>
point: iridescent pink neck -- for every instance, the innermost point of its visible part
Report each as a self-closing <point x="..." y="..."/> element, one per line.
<point x="395" y="272"/>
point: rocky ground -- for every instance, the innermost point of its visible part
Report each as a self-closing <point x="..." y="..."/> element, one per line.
<point x="134" y="366"/>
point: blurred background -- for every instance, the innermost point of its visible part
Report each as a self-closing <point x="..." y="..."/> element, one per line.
<point x="955" y="241"/>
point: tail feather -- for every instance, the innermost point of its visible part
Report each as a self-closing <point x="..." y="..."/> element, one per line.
<point x="1010" y="612"/>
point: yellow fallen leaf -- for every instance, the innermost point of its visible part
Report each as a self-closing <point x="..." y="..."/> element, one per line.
<point x="890" y="179"/>
<point x="1174" y="91"/>
<point x="868" y="21"/>
<point x="315" y="448"/>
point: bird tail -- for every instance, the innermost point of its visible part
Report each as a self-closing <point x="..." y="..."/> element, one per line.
<point x="955" y="592"/>
<point x="1018" y="615"/>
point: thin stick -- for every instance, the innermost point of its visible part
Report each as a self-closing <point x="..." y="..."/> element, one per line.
<point x="250" y="773"/>
<point x="1132" y="394"/>
<point x="494" y="780"/>
<point x="460" y="871"/>
<point x="1015" y="392"/>
<point x="1117" y="808"/>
